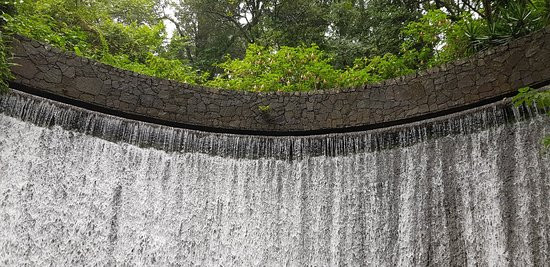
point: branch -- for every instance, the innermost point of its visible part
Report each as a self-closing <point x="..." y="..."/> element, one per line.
<point x="450" y="8"/>
<point x="181" y="33"/>
<point x="234" y="22"/>
<point x="473" y="8"/>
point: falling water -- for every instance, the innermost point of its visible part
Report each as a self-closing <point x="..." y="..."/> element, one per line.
<point x="83" y="188"/>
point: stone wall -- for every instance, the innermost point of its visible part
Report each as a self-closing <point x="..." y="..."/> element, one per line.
<point x="489" y="75"/>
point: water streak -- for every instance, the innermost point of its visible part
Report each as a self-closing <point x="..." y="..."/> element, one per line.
<point x="82" y="188"/>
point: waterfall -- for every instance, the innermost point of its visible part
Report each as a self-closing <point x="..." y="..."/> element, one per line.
<point x="84" y="188"/>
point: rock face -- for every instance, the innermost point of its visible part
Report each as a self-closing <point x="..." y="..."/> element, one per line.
<point x="490" y="74"/>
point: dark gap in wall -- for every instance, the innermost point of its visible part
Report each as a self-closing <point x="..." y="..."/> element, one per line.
<point x="137" y="117"/>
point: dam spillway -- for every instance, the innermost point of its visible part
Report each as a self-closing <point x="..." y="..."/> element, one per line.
<point x="84" y="188"/>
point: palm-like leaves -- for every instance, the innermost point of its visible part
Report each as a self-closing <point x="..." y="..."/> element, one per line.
<point x="513" y="20"/>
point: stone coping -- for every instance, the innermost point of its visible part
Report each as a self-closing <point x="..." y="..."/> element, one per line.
<point x="486" y="76"/>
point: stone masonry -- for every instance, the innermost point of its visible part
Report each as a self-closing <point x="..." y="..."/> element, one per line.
<point x="487" y="75"/>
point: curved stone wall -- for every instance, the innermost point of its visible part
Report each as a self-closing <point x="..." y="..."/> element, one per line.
<point x="466" y="189"/>
<point x="490" y="75"/>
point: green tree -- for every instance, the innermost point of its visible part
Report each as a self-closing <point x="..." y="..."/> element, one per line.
<point x="263" y="69"/>
<point x="214" y="29"/>
<point x="128" y="36"/>
<point x="368" y="28"/>
<point x="294" y="23"/>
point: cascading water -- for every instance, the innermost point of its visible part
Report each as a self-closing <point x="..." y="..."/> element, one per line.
<point x="83" y="188"/>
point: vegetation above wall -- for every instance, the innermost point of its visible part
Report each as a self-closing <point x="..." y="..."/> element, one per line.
<point x="273" y="45"/>
<point x="5" y="54"/>
<point x="5" y="73"/>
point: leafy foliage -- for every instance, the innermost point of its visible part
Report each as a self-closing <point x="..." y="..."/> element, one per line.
<point x="125" y="36"/>
<point x="5" y="73"/>
<point x="5" y="54"/>
<point x="368" y="28"/>
<point x="346" y="29"/>
<point x="306" y="68"/>
<point x="510" y="20"/>
<point x="530" y="97"/>
<point x="372" y="70"/>
<point x="286" y="69"/>
<point x="157" y="67"/>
